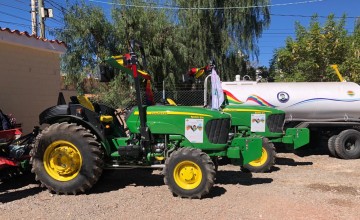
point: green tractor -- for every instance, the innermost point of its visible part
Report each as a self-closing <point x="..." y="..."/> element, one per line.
<point x="245" y="118"/>
<point x="83" y="138"/>
<point x="264" y="121"/>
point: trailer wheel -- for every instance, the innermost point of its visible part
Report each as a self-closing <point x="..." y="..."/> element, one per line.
<point x="347" y="144"/>
<point x="331" y="146"/>
<point x="66" y="158"/>
<point x="189" y="173"/>
<point x="265" y="162"/>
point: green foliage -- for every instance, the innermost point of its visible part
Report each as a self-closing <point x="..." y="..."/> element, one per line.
<point x="227" y="35"/>
<point x="115" y="93"/>
<point x="174" y="41"/>
<point x="308" y="57"/>
<point x="89" y="37"/>
<point x="160" y="37"/>
<point x="351" y="65"/>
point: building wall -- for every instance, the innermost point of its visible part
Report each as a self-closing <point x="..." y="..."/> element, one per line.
<point x="29" y="82"/>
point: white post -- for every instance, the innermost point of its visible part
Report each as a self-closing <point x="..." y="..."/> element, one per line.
<point x="33" y="18"/>
<point x="205" y="90"/>
<point x="164" y="90"/>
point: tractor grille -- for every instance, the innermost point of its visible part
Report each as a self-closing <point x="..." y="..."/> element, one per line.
<point x="275" y="122"/>
<point x="217" y="130"/>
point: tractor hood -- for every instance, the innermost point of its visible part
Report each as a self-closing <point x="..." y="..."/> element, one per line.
<point x="197" y="125"/>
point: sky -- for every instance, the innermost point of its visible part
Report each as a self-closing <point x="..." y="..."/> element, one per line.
<point x="15" y="14"/>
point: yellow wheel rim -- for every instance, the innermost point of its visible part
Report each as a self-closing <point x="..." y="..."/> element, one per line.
<point x="62" y="160"/>
<point x="187" y="175"/>
<point x="261" y="160"/>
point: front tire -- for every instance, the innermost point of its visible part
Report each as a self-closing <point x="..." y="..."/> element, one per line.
<point x="66" y="159"/>
<point x="189" y="173"/>
<point x="347" y="144"/>
<point x="265" y="162"/>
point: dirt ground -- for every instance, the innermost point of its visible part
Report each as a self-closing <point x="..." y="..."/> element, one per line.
<point x="310" y="186"/>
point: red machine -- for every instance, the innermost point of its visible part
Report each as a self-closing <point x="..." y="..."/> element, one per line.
<point x="7" y="137"/>
<point x="14" y="151"/>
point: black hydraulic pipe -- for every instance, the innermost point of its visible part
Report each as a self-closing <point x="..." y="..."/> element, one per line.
<point x="144" y="131"/>
<point x="138" y="96"/>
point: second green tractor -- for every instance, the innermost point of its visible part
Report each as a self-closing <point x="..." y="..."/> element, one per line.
<point x="264" y="121"/>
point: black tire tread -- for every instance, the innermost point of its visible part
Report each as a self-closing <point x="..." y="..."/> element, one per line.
<point x="205" y="160"/>
<point x="93" y="147"/>
<point x="340" y="149"/>
<point x="331" y="146"/>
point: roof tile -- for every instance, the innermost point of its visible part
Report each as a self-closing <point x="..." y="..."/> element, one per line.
<point x="24" y="33"/>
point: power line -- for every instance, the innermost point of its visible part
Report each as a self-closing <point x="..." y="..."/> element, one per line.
<point x="206" y="8"/>
<point x="8" y="22"/>
<point x="283" y="34"/>
<point x="28" y="25"/>
<point x="21" y="1"/>
<point x="13" y="7"/>
<point x="13" y="16"/>
<point x="277" y="33"/>
<point x="56" y="21"/>
<point x="310" y="16"/>
<point x="57" y="6"/>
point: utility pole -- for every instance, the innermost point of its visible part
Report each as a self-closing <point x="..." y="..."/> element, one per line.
<point x="41" y="18"/>
<point x="33" y="18"/>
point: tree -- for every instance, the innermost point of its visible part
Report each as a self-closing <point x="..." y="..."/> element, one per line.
<point x="222" y="34"/>
<point x="174" y="41"/>
<point x="308" y="57"/>
<point x="351" y="65"/>
<point x="89" y="37"/>
<point x="161" y="38"/>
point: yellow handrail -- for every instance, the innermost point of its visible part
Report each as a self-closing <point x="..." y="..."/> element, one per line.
<point x="335" y="67"/>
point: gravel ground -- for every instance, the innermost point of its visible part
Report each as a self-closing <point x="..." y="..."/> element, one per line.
<point x="310" y="186"/>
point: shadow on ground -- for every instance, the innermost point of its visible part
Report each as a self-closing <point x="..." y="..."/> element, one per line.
<point x="318" y="148"/>
<point x="10" y="189"/>
<point x="119" y="179"/>
<point x="309" y="150"/>
<point x="236" y="177"/>
<point x="216" y="191"/>
<point x="291" y="162"/>
<point x="112" y="180"/>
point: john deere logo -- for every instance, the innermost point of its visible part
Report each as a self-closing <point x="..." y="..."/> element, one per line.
<point x="283" y="97"/>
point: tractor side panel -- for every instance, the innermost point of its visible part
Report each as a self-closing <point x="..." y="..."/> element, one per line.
<point x="201" y="128"/>
<point x="264" y="121"/>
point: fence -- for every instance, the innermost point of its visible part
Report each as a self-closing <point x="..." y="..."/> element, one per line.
<point x="181" y="96"/>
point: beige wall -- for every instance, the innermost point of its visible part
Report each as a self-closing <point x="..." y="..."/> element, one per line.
<point x="29" y="82"/>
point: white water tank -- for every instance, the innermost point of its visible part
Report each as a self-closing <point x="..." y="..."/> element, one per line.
<point x="300" y="100"/>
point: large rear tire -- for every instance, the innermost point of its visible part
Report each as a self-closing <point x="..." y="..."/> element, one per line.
<point x="331" y="146"/>
<point x="189" y="173"/>
<point x="66" y="158"/>
<point x="265" y="162"/>
<point x="347" y="144"/>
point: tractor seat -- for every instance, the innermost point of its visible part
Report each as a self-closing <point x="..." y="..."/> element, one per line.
<point x="84" y="101"/>
<point x="170" y="101"/>
<point x="167" y="101"/>
<point x="105" y="117"/>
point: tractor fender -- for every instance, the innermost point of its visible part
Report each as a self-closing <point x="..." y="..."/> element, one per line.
<point x="78" y="120"/>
